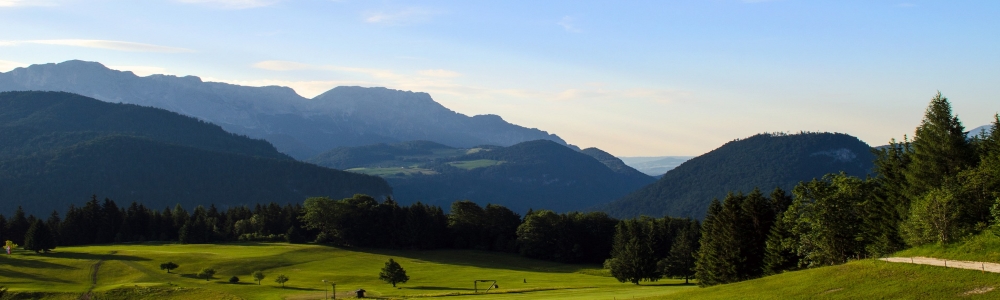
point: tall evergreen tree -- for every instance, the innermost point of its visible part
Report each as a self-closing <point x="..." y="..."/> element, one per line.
<point x="632" y="258"/>
<point x="681" y="260"/>
<point x="39" y="238"/>
<point x="18" y="226"/>
<point x="940" y="149"/>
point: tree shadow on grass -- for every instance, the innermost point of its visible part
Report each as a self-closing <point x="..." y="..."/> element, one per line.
<point x="297" y="288"/>
<point x="667" y="284"/>
<point x="33" y="277"/>
<point x="442" y="288"/>
<point x="91" y="256"/>
<point x="476" y="258"/>
<point x="238" y="283"/>
<point x="194" y="276"/>
<point x="34" y="264"/>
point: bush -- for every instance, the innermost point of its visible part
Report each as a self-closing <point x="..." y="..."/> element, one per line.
<point x="234" y="280"/>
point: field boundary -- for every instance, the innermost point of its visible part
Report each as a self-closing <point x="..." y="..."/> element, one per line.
<point x="948" y="263"/>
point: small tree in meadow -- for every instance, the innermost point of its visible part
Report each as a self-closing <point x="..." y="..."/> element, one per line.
<point x="206" y="273"/>
<point x="168" y="266"/>
<point x="258" y="276"/>
<point x="234" y="280"/>
<point x="281" y="279"/>
<point x="393" y="273"/>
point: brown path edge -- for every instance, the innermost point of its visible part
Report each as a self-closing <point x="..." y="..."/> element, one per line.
<point x="948" y="263"/>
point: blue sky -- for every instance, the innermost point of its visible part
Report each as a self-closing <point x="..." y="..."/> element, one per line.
<point x="635" y="78"/>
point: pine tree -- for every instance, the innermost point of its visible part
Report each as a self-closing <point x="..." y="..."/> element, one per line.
<point x="940" y="152"/>
<point x="18" y="226"/>
<point x="39" y="238"/>
<point x="632" y="258"/>
<point x="681" y="260"/>
<point x="940" y="149"/>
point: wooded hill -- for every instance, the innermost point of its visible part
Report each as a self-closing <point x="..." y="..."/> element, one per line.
<point x="764" y="161"/>
<point x="538" y="174"/>
<point x="60" y="148"/>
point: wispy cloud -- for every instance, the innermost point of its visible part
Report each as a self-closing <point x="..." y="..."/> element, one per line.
<point x="233" y="4"/>
<point x="102" y="44"/>
<point x="906" y="5"/>
<point x="399" y="17"/>
<point x="439" y="73"/>
<point x="19" y="3"/>
<point x="6" y="65"/>
<point x="567" y="23"/>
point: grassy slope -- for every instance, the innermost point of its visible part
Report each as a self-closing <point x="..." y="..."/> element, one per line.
<point x="865" y="279"/>
<point x="981" y="247"/>
<point x="132" y="272"/>
<point x="868" y="279"/>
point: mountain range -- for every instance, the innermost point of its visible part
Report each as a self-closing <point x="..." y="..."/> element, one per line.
<point x="764" y="161"/>
<point x="59" y="148"/>
<point x="297" y="126"/>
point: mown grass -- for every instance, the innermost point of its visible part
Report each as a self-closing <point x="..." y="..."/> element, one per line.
<point x="132" y="272"/>
<point x="864" y="279"/>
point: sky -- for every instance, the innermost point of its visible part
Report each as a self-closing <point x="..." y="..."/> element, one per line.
<point x="634" y="78"/>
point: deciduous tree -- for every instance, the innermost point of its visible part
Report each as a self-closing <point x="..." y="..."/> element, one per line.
<point x="393" y="273"/>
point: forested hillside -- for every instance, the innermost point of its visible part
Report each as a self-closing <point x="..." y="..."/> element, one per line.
<point x="764" y="161"/>
<point x="60" y="148"/>
<point x="33" y="122"/>
<point x="538" y="174"/>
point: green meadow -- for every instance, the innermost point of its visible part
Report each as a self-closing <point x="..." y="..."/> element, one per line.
<point x="132" y="272"/>
<point x="473" y="164"/>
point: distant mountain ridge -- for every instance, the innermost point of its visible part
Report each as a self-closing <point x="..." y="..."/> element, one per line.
<point x="59" y="148"/>
<point x="300" y="127"/>
<point x="655" y="166"/>
<point x="764" y="161"/>
<point x="538" y="174"/>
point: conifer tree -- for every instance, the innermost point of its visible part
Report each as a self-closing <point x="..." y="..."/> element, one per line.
<point x="940" y="149"/>
<point x="718" y="254"/>
<point x="632" y="258"/>
<point x="681" y="260"/>
<point x="18" y="226"/>
<point x="39" y="238"/>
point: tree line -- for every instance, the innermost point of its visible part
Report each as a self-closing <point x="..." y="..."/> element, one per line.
<point x="938" y="187"/>
<point x="358" y="221"/>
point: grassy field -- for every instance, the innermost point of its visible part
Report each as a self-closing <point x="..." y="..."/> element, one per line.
<point x="132" y="272"/>
<point x="472" y="164"/>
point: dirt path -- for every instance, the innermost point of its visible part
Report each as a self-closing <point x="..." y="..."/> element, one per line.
<point x="958" y="264"/>
<point x="93" y="276"/>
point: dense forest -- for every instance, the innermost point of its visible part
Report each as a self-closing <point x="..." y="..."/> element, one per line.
<point x="359" y="221"/>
